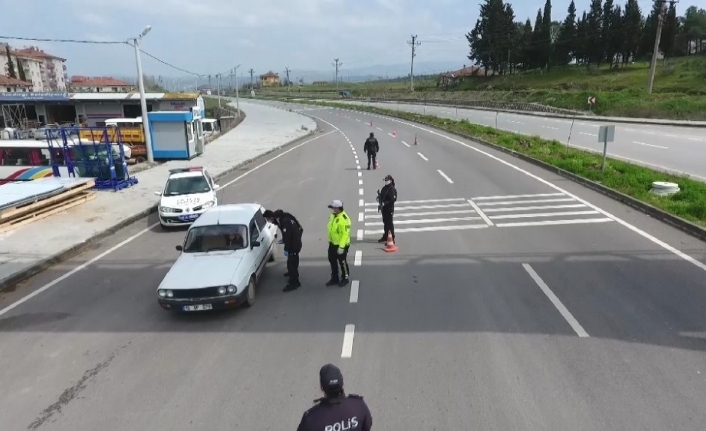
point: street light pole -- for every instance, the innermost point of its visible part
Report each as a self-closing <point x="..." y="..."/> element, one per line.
<point x="237" y="95"/>
<point x="143" y="100"/>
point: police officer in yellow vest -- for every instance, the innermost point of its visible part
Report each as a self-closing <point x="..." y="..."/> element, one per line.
<point x="339" y="241"/>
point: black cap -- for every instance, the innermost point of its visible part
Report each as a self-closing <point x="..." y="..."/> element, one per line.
<point x="372" y="134"/>
<point x="268" y="214"/>
<point x="331" y="379"/>
<point x="278" y="213"/>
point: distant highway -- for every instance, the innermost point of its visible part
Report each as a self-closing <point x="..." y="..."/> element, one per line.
<point x="667" y="148"/>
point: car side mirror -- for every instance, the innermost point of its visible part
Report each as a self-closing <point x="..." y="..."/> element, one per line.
<point x="255" y="244"/>
<point x="179" y="248"/>
<point x="157" y="193"/>
<point x="216" y="187"/>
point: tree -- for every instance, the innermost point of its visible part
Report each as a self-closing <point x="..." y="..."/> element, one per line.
<point x="536" y="49"/>
<point x="583" y="41"/>
<point x="566" y="44"/>
<point x="595" y="49"/>
<point x="525" y="45"/>
<point x="669" y="31"/>
<point x="695" y="29"/>
<point x="489" y="40"/>
<point x="21" y="75"/>
<point x="632" y="29"/>
<point x="650" y="31"/>
<point x="10" y="63"/>
<point x="545" y="43"/>
<point x="606" y="31"/>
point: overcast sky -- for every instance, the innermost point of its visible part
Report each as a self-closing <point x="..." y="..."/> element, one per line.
<point x="212" y="36"/>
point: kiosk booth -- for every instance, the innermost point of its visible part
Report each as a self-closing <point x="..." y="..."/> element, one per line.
<point x="177" y="135"/>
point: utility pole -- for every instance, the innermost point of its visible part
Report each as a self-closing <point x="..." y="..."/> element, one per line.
<point x="337" y="65"/>
<point x="237" y="95"/>
<point x="252" y="74"/>
<point x="658" y="37"/>
<point x="414" y="43"/>
<point x="287" y="70"/>
<point x="219" y="89"/>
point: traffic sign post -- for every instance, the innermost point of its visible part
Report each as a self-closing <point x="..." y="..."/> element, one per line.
<point x="605" y="134"/>
<point x="591" y="102"/>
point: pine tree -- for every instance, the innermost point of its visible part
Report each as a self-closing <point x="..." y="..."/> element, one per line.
<point x="632" y="29"/>
<point x="606" y="31"/>
<point x="650" y="31"/>
<point x="583" y="41"/>
<point x="10" y="63"/>
<point x="566" y="45"/>
<point x="596" y="52"/>
<point x="536" y="49"/>
<point x="667" y="41"/>
<point x="526" y="46"/>
<point x="546" y="35"/>
<point x="21" y="75"/>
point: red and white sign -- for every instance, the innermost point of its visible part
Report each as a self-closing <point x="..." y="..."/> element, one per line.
<point x="591" y="100"/>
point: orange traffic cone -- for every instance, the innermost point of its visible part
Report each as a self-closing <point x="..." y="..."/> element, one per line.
<point x="394" y="133"/>
<point x="415" y="139"/>
<point x="390" y="246"/>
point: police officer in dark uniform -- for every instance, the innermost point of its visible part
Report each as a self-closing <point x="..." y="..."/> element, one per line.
<point x="386" y="204"/>
<point x="371" y="147"/>
<point x="336" y="410"/>
<point x="292" y="237"/>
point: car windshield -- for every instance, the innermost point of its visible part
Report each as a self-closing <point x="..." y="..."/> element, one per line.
<point x="186" y="186"/>
<point x="203" y="239"/>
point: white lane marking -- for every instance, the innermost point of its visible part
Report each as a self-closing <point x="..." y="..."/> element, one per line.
<point x="355" y="286"/>
<point x="518" y="196"/>
<point x="359" y="168"/>
<point x="694" y="139"/>
<point x="446" y="177"/>
<point x="430" y="228"/>
<point x="426" y="221"/>
<point x="533" y="201"/>
<point x="359" y="235"/>
<point x="554" y="222"/>
<point x="650" y="145"/>
<point x="360" y="182"/>
<point x="480" y="213"/>
<point x="361" y="217"/>
<point x="360" y="192"/>
<point x="391" y="135"/>
<point x="534" y="207"/>
<point x="360" y="174"/>
<point x="550" y="127"/>
<point x="575" y="325"/>
<point x="618" y="220"/>
<point x="422" y="156"/>
<point x="348" y="334"/>
<point x="361" y="202"/>
<point x="430" y="213"/>
<point x="405" y="143"/>
<point x="532" y="215"/>
<point x="423" y="201"/>
<point x="140" y="233"/>
<point x="378" y="128"/>
<point x="358" y="258"/>
<point x="422" y="207"/>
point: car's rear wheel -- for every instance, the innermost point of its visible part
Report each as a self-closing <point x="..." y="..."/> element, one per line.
<point x="250" y="294"/>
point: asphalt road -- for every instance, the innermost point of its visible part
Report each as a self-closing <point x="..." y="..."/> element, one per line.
<point x="488" y="316"/>
<point x="668" y="148"/>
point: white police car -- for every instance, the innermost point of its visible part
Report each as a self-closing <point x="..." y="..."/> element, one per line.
<point x="186" y="195"/>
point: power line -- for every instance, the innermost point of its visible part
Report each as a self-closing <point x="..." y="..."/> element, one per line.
<point x="37" y="39"/>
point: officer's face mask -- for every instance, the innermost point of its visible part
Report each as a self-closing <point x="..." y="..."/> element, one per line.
<point x="387" y="182"/>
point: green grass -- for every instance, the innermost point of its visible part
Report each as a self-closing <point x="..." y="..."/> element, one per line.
<point x="627" y="178"/>
<point x="679" y="89"/>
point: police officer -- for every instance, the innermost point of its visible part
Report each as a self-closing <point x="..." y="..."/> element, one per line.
<point x="339" y="241"/>
<point x="292" y="236"/>
<point x="336" y="411"/>
<point x="372" y="147"/>
<point x="386" y="204"/>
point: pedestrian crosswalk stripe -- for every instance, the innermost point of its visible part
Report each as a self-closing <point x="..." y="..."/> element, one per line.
<point x="552" y="222"/>
<point x="530" y="215"/>
<point x="425" y="213"/>
<point x="423" y="201"/>
<point x="425" y="221"/>
<point x="540" y="195"/>
<point x="535" y="201"/>
<point x="422" y="207"/>
<point x="429" y="229"/>
<point x="553" y="207"/>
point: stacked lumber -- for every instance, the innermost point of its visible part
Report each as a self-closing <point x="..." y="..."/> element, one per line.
<point x="26" y="202"/>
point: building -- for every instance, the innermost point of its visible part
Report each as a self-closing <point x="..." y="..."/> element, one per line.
<point x="450" y="79"/>
<point x="30" y="67"/>
<point x="101" y="84"/>
<point x="13" y="85"/>
<point x="52" y="69"/>
<point x="269" y="79"/>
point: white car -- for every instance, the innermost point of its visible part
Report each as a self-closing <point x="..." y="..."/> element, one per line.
<point x="222" y="258"/>
<point x="186" y="195"/>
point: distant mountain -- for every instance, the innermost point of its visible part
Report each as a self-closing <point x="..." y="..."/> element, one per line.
<point x="376" y="72"/>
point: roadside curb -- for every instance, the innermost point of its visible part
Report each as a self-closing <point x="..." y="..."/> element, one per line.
<point x="656" y="213"/>
<point x="67" y="253"/>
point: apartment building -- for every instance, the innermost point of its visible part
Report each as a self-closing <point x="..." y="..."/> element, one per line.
<point x="100" y="84"/>
<point x="52" y="69"/>
<point x="13" y="85"/>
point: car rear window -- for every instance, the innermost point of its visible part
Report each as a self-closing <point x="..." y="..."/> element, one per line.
<point x="203" y="239"/>
<point x="186" y="186"/>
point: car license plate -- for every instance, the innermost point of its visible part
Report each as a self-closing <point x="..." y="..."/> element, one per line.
<point x="199" y="307"/>
<point x="189" y="217"/>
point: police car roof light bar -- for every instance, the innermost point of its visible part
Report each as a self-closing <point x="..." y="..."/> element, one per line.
<point x="189" y="169"/>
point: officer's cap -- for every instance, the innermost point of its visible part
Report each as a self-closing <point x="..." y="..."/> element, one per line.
<point x="331" y="378"/>
<point x="278" y="213"/>
<point x="268" y="214"/>
<point x="336" y="204"/>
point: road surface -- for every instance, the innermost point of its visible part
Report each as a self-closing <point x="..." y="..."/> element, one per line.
<point x="667" y="148"/>
<point x="517" y="300"/>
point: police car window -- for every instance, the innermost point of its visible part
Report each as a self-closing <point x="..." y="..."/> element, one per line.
<point x="203" y="239"/>
<point x="187" y="186"/>
<point x="254" y="232"/>
<point x="260" y="220"/>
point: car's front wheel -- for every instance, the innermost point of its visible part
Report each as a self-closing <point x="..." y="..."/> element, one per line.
<point x="250" y="294"/>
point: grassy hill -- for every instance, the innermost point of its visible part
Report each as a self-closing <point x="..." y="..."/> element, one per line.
<point x="679" y="90"/>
